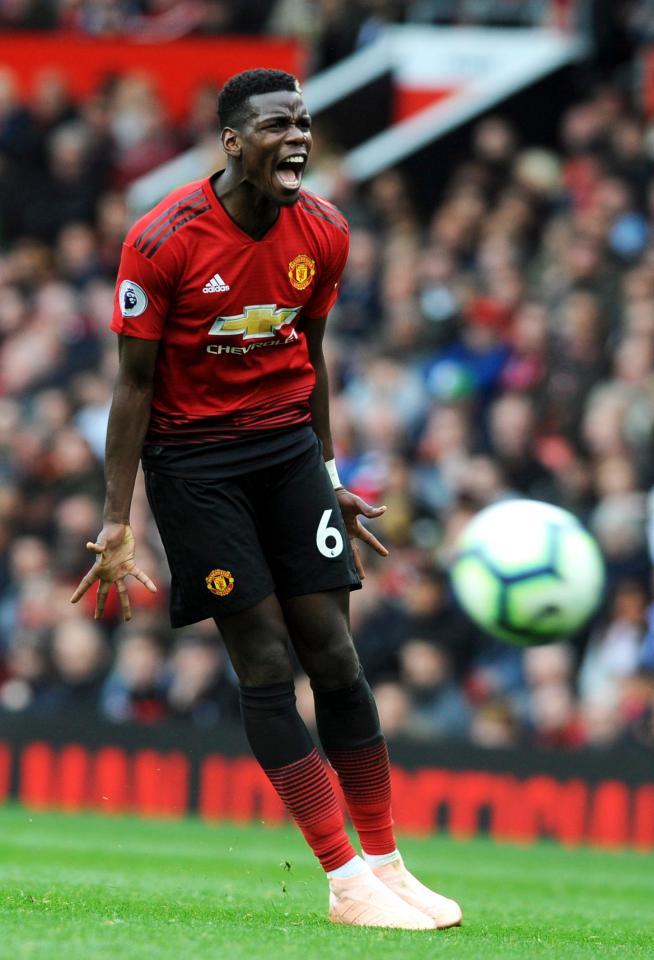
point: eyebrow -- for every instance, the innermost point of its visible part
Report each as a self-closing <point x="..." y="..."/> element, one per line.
<point x="263" y="117"/>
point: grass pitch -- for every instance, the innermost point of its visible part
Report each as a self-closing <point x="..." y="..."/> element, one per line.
<point x="92" y="888"/>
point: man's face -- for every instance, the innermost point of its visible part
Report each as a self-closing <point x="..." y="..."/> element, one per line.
<point x="275" y="144"/>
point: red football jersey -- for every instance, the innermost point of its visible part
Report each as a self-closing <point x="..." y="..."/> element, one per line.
<point x="226" y="309"/>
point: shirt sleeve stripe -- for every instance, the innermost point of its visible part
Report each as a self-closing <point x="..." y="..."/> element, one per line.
<point x="166" y="214"/>
<point x="321" y="216"/>
<point x="177" y="226"/>
<point x="325" y="208"/>
<point x="197" y="206"/>
<point x="321" y="202"/>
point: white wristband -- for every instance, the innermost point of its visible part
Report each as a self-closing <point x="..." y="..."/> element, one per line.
<point x="333" y="474"/>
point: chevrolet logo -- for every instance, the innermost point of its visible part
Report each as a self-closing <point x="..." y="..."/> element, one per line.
<point x="257" y="323"/>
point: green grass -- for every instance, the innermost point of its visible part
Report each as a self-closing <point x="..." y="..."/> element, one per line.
<point x="92" y="888"/>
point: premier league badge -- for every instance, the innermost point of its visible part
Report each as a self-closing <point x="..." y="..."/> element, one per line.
<point x="132" y="298"/>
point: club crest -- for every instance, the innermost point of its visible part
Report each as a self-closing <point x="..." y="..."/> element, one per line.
<point x="219" y="582"/>
<point x="301" y="271"/>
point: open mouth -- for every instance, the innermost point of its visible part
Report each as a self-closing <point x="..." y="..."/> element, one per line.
<point x="289" y="171"/>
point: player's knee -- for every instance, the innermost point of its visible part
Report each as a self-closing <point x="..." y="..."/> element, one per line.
<point x="334" y="666"/>
<point x="262" y="659"/>
<point x="274" y="667"/>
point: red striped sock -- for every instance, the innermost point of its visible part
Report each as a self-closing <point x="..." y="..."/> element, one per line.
<point x="365" y="777"/>
<point x="305" y="789"/>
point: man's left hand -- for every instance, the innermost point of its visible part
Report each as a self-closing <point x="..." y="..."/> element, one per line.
<point x="352" y="507"/>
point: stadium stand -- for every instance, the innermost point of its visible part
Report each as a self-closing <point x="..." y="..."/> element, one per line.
<point x="500" y="342"/>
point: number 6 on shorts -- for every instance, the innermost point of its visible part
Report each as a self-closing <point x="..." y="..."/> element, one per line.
<point x="328" y="539"/>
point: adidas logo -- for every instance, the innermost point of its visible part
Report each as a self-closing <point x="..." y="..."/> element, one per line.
<point x="216" y="285"/>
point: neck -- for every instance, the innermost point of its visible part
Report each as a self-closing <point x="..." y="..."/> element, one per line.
<point x="251" y="210"/>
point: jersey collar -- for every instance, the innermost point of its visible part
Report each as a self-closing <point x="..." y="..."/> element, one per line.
<point x="230" y="225"/>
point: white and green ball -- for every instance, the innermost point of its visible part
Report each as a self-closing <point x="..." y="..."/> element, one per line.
<point x="527" y="572"/>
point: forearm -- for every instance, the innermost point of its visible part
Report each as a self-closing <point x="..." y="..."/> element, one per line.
<point x="319" y="403"/>
<point x="128" y="422"/>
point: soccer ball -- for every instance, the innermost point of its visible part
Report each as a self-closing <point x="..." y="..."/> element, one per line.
<point x="527" y="572"/>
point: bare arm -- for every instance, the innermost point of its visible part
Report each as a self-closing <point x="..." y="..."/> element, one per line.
<point x="314" y="331"/>
<point x="128" y="422"/>
<point x="351" y="505"/>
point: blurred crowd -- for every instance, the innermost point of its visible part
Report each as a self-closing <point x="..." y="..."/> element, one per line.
<point x="504" y="345"/>
<point x="501" y="343"/>
<point x="332" y="28"/>
<point x="336" y="27"/>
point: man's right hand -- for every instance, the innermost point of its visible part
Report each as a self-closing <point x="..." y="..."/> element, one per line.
<point x="114" y="549"/>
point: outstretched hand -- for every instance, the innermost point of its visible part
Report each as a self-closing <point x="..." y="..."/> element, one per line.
<point x="352" y="507"/>
<point x="114" y="549"/>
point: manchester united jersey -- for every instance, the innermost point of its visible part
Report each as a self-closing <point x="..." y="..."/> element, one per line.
<point x="233" y="359"/>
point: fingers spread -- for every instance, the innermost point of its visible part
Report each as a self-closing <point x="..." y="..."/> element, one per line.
<point x="357" y="561"/>
<point x="145" y="580"/>
<point x="372" y="541"/>
<point x="101" y="599"/>
<point x="124" y="599"/>
<point x="365" y="508"/>
<point x="87" y="581"/>
<point x="373" y="511"/>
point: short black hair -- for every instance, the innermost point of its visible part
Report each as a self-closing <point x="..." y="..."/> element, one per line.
<point x="237" y="91"/>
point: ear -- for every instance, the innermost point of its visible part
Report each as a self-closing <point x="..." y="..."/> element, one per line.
<point x="231" y="141"/>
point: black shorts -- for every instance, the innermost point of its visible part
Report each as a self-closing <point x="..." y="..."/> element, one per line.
<point x="232" y="542"/>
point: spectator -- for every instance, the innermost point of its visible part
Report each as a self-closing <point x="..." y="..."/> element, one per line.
<point x="202" y="687"/>
<point x="614" y="651"/>
<point x="80" y="659"/>
<point x="438" y="708"/>
<point x="394" y="706"/>
<point x="26" y="686"/>
<point x="136" y="688"/>
<point x="512" y="428"/>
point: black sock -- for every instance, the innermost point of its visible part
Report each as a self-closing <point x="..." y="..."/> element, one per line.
<point x="347" y="718"/>
<point x="274" y="728"/>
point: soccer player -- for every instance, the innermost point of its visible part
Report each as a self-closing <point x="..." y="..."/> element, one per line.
<point x="221" y="302"/>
